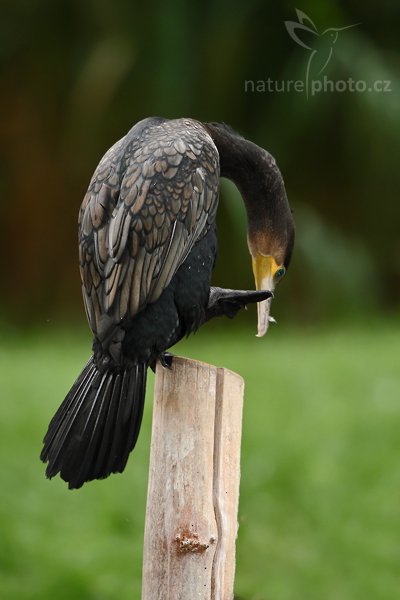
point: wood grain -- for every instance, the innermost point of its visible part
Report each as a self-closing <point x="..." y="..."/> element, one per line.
<point x="193" y="491"/>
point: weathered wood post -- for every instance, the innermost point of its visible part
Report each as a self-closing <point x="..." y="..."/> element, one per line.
<point x="193" y="491"/>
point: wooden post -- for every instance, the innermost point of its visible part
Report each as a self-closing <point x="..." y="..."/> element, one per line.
<point x="193" y="491"/>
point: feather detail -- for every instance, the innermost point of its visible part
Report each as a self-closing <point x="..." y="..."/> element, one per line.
<point x="97" y="426"/>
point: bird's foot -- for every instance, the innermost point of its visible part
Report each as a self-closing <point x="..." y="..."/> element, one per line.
<point x="165" y="359"/>
<point x="229" y="302"/>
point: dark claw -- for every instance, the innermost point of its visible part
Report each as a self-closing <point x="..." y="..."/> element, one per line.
<point x="232" y="301"/>
<point x="243" y="297"/>
<point x="166" y="360"/>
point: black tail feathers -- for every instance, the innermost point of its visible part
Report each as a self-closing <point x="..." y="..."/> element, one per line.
<point x="97" y="425"/>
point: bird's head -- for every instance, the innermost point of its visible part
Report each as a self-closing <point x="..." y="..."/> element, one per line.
<point x="270" y="234"/>
<point x="270" y="255"/>
<point x="332" y="33"/>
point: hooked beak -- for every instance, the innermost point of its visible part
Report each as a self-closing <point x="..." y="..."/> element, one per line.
<point x="263" y="269"/>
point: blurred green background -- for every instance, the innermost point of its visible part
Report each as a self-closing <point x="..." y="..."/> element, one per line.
<point x="320" y="493"/>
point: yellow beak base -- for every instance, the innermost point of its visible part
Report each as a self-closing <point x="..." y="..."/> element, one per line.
<point x="264" y="268"/>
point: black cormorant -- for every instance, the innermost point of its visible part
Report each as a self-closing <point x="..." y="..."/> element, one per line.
<point x="147" y="247"/>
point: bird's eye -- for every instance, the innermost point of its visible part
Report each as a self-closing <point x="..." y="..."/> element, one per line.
<point x="279" y="273"/>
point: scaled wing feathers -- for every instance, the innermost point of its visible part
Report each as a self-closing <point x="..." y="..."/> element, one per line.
<point x="151" y="199"/>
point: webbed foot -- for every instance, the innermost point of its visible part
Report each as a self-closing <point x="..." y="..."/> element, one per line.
<point x="229" y="302"/>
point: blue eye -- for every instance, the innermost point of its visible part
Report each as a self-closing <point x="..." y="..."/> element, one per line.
<point x="279" y="273"/>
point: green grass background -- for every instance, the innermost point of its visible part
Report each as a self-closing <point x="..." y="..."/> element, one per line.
<point x="320" y="490"/>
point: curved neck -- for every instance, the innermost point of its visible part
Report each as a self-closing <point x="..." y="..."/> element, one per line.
<point x="238" y="157"/>
<point x="255" y="173"/>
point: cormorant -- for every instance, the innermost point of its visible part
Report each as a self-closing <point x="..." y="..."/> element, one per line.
<point x="147" y="247"/>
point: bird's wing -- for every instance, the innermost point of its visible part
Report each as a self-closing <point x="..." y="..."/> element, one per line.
<point x="138" y="225"/>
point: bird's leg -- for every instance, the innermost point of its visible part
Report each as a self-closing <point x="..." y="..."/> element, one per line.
<point x="228" y="302"/>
